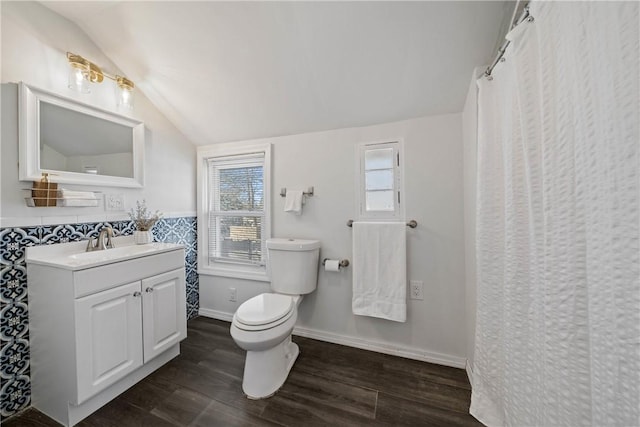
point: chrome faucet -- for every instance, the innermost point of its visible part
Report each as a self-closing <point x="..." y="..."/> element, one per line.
<point x="101" y="243"/>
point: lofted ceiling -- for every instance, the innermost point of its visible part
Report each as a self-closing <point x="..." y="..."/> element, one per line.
<point x="226" y="71"/>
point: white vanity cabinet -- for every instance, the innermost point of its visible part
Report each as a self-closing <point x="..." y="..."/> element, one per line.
<point x="119" y="329"/>
<point x="101" y="322"/>
<point x="108" y="338"/>
<point x="163" y="317"/>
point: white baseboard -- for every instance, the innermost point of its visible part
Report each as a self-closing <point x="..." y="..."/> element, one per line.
<point x="380" y="347"/>
<point x="469" y="370"/>
<point x="215" y="314"/>
<point x="364" y="344"/>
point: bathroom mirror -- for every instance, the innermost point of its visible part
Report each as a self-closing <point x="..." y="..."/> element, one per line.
<point x="77" y="143"/>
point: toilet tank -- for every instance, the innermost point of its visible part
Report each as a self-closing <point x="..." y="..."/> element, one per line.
<point x="293" y="265"/>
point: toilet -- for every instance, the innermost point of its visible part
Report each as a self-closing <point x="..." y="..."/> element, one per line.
<point x="263" y="324"/>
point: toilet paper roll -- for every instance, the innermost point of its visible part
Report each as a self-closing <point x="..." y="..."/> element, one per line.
<point x="332" y="265"/>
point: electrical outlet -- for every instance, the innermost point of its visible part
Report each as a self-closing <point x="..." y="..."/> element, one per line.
<point x="114" y="202"/>
<point x="233" y="294"/>
<point x="416" y="289"/>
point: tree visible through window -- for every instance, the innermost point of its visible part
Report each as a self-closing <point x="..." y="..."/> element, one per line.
<point x="236" y="212"/>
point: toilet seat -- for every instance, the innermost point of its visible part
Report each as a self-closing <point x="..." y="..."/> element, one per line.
<point x="263" y="312"/>
<point x="258" y="328"/>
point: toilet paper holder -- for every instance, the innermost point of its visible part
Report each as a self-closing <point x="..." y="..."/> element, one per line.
<point x="343" y="262"/>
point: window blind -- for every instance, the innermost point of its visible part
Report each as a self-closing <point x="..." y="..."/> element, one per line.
<point x="236" y="209"/>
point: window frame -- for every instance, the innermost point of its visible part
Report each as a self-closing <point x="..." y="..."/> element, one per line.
<point x="398" y="181"/>
<point x="223" y="268"/>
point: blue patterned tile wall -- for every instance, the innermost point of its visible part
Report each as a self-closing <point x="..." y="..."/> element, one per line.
<point x="14" y="323"/>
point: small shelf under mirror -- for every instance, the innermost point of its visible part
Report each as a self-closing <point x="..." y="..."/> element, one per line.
<point x="53" y="200"/>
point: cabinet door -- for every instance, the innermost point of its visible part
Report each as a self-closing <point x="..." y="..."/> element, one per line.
<point x="164" y="312"/>
<point x="108" y="338"/>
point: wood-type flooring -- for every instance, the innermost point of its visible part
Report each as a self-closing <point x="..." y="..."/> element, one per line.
<point x="329" y="385"/>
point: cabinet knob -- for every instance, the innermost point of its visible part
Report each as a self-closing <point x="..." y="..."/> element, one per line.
<point x="136" y="294"/>
<point x="149" y="290"/>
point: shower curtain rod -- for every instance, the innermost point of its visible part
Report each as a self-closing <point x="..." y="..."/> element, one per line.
<point x="524" y="15"/>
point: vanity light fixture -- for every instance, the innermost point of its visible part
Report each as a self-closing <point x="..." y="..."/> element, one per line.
<point x="83" y="72"/>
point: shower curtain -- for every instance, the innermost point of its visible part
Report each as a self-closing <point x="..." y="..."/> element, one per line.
<point x="558" y="320"/>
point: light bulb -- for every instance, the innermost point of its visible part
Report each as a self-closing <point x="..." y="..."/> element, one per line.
<point x="125" y="98"/>
<point x="77" y="81"/>
<point x="124" y="93"/>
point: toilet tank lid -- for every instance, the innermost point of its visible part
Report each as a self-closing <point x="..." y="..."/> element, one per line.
<point x="285" y="244"/>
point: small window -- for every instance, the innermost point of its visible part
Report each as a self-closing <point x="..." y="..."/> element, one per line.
<point x="233" y="211"/>
<point x="380" y="180"/>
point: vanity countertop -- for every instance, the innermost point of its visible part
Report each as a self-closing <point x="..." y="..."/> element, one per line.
<point x="73" y="256"/>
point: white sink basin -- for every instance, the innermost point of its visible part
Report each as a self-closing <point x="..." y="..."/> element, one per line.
<point x="114" y="253"/>
<point x="72" y="256"/>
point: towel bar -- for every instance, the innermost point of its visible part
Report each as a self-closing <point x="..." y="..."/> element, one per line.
<point x="413" y="223"/>
<point x="309" y="192"/>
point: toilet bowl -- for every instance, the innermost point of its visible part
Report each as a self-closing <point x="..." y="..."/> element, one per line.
<point x="266" y="337"/>
<point x="262" y="325"/>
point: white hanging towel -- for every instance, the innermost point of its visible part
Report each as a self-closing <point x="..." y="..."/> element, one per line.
<point x="380" y="270"/>
<point x="293" y="201"/>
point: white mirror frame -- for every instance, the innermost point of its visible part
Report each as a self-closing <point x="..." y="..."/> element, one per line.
<point x="29" y="140"/>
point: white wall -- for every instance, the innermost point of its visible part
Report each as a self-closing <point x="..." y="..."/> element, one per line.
<point x="435" y="329"/>
<point x="469" y="137"/>
<point x="34" y="45"/>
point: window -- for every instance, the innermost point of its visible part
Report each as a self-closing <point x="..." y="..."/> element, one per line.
<point x="233" y="220"/>
<point x="380" y="180"/>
